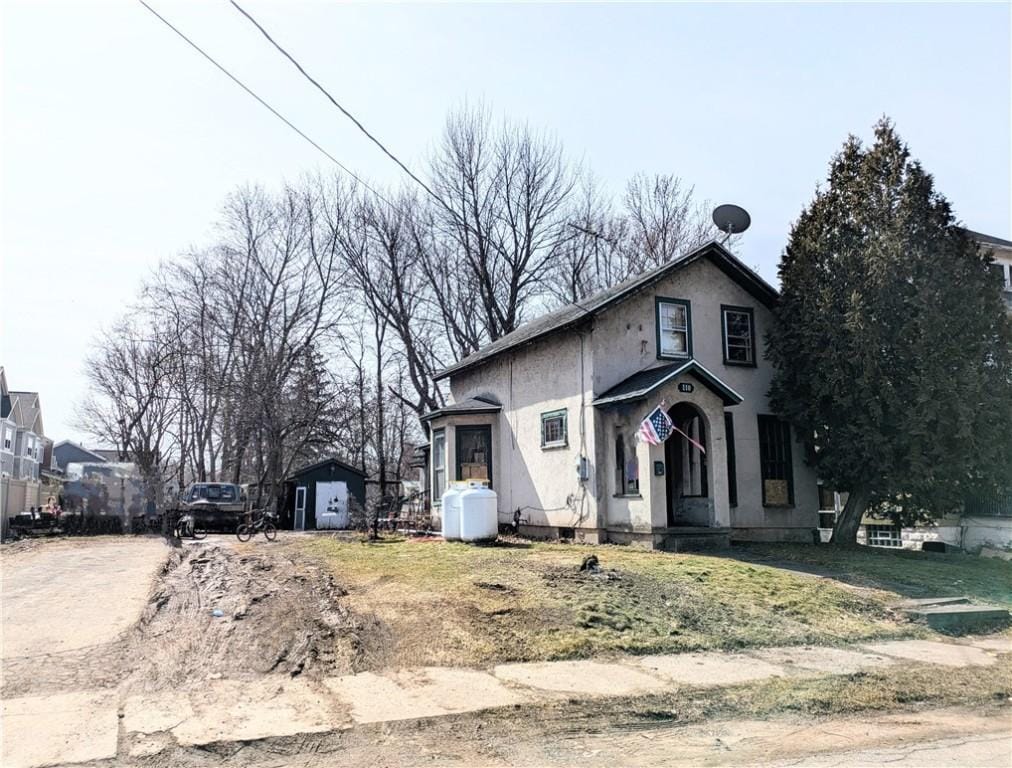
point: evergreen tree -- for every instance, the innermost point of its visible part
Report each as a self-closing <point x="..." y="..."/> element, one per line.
<point x="892" y="347"/>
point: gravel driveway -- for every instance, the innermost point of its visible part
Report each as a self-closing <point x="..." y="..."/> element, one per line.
<point x="73" y="594"/>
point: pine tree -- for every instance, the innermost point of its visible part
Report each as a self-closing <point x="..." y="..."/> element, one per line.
<point x="892" y="347"/>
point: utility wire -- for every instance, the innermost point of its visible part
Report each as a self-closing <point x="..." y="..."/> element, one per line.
<point x="273" y="111"/>
<point x="346" y="113"/>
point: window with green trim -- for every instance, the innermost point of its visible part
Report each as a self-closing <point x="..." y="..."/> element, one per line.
<point x="554" y="432"/>
<point x="738" y="332"/>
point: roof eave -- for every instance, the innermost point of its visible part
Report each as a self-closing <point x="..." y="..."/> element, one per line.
<point x="728" y="395"/>
<point x="727" y="263"/>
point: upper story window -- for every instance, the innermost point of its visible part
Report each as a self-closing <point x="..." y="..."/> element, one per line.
<point x="1004" y="273"/>
<point x="738" y="332"/>
<point x="553" y="429"/>
<point x="8" y="437"/>
<point x="674" y="328"/>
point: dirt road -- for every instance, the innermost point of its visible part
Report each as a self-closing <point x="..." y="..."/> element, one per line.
<point x="65" y="596"/>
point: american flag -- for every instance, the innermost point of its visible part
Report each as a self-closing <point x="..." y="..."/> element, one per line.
<point x="656" y="428"/>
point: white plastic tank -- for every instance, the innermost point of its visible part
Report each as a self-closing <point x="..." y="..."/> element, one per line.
<point x="479" y="513"/>
<point x="451" y="510"/>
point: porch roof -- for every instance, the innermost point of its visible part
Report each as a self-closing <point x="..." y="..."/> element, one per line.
<point x="468" y="406"/>
<point x="642" y="383"/>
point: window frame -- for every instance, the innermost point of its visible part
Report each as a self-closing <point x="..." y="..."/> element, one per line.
<point x="687" y="305"/>
<point x="621" y="476"/>
<point x="547" y="416"/>
<point x="892" y="540"/>
<point x="787" y="460"/>
<point x="724" y="309"/>
<point x="437" y="492"/>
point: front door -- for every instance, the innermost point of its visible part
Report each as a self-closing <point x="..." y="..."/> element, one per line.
<point x="300" y="508"/>
<point x="474" y="453"/>
<point x="332" y="505"/>
<point x="687" y="491"/>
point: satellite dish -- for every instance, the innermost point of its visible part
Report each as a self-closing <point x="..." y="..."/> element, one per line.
<point x="732" y="219"/>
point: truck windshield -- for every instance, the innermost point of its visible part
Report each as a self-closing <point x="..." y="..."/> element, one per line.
<point x="213" y="492"/>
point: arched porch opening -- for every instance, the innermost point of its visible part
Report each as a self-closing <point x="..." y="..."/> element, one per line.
<point x="689" y="497"/>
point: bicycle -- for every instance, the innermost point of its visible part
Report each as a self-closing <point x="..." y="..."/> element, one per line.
<point x="264" y="523"/>
<point x="187" y="525"/>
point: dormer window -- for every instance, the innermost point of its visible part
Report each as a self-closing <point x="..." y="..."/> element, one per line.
<point x="674" y="329"/>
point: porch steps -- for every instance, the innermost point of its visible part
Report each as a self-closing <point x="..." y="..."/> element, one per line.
<point x="955" y="614"/>
<point x="692" y="539"/>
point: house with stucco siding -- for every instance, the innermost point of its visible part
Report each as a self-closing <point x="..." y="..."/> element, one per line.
<point x="548" y="416"/>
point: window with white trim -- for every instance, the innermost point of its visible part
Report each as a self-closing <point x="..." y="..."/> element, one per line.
<point x="674" y="328"/>
<point x="884" y="536"/>
<point x="8" y="438"/>
<point x="554" y="429"/>
<point x="438" y="464"/>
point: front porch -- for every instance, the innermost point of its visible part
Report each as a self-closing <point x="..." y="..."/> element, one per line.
<point x="674" y="495"/>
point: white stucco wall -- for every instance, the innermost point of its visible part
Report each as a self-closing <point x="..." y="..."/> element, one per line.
<point x="625" y="342"/>
<point x="549" y="375"/>
<point x="567" y="370"/>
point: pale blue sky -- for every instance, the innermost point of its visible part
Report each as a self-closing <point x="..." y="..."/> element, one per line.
<point x="119" y="142"/>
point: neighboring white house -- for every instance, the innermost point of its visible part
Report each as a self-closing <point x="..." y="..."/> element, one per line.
<point x="983" y="522"/>
<point x="1002" y="252"/>
<point x="548" y="414"/>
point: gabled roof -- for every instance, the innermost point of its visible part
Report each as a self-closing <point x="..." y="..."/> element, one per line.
<point x="574" y="314"/>
<point x="111" y="454"/>
<point x="470" y="405"/>
<point x="31" y="411"/>
<point x="317" y="465"/>
<point x="72" y="444"/>
<point x="641" y="384"/>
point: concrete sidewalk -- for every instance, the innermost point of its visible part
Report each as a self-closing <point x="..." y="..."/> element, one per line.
<point x="98" y="725"/>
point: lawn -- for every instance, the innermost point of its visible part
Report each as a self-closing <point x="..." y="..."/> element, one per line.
<point x="442" y="603"/>
<point x="908" y="573"/>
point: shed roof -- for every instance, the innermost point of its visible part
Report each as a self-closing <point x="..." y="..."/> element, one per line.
<point x="324" y="462"/>
<point x="641" y="384"/>
<point x="574" y="314"/>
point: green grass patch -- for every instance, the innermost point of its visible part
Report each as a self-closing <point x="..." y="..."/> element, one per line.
<point x="455" y="604"/>
<point x="908" y="573"/>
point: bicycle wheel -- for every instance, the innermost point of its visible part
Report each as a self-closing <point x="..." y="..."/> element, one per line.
<point x="244" y="533"/>
<point x="270" y="532"/>
<point x="199" y="531"/>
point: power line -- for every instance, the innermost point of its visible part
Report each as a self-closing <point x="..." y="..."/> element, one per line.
<point x="273" y="111"/>
<point x="334" y="101"/>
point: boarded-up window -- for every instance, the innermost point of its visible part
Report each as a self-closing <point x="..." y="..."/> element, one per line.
<point x="775" y="462"/>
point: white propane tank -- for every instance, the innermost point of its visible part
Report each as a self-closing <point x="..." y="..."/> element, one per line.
<point x="479" y="513"/>
<point x="451" y="510"/>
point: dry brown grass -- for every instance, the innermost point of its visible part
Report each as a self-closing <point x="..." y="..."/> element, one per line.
<point x="455" y="604"/>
